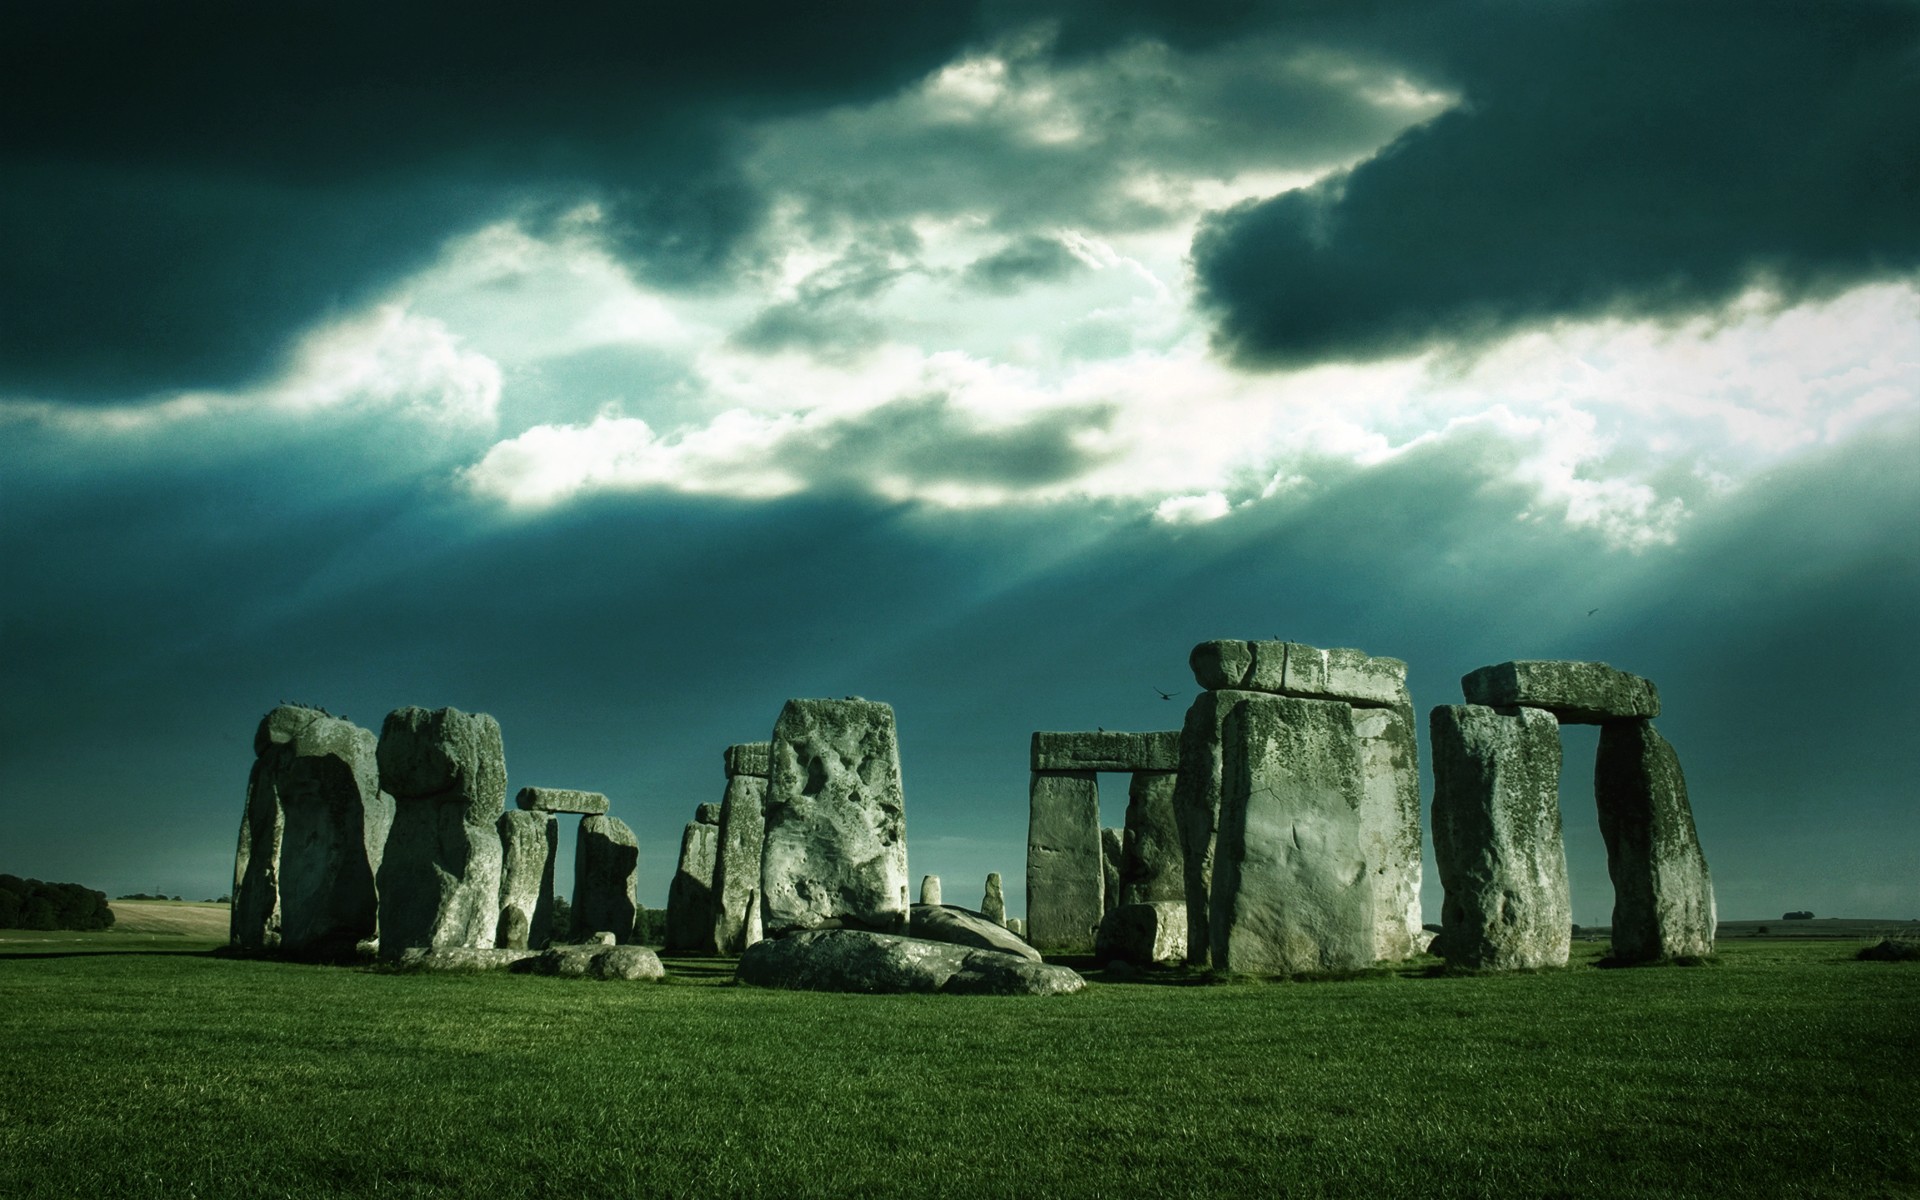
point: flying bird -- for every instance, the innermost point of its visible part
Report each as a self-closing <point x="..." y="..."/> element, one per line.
<point x="1592" y="611"/>
<point x="1166" y="695"/>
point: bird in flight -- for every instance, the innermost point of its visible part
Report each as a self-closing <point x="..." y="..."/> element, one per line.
<point x="1592" y="611"/>
<point x="1166" y="695"/>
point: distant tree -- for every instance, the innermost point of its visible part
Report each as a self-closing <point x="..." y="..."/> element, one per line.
<point x="650" y="926"/>
<point x="31" y="904"/>
<point x="562" y="919"/>
<point x="1797" y="916"/>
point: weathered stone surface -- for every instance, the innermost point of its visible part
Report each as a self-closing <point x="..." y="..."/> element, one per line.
<point x="312" y="835"/>
<point x="736" y="869"/>
<point x="1578" y="693"/>
<point x="1196" y="807"/>
<point x="560" y="800"/>
<point x="1497" y="840"/>
<point x="929" y="890"/>
<point x="461" y="958"/>
<point x="440" y="878"/>
<point x="1295" y="669"/>
<point x="690" y="924"/>
<point x="596" y="962"/>
<point x="1064" y="861"/>
<point x="606" y="857"/>
<point x="947" y="923"/>
<point x="1106" y="750"/>
<point x="1662" y="892"/>
<point x="1290" y="892"/>
<point x="993" y="904"/>
<point x="529" y="843"/>
<point x="1390" y="827"/>
<point x="849" y="960"/>
<point x="1146" y="934"/>
<point x="1018" y="927"/>
<point x="748" y="758"/>
<point x="707" y="814"/>
<point x="1151" y="868"/>
<point x="835" y="852"/>
<point x="1112" y="844"/>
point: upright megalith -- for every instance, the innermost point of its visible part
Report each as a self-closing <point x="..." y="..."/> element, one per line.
<point x="529" y="844"/>
<point x="1112" y="845"/>
<point x="440" y="878"/>
<point x="742" y="828"/>
<point x="312" y="836"/>
<point x="690" y="926"/>
<point x="606" y="858"/>
<point x="1290" y="892"/>
<point x="1390" y="827"/>
<point x="1497" y="839"/>
<point x="1196" y="801"/>
<point x="1151" y="869"/>
<point x="930" y="890"/>
<point x="1662" y="892"/>
<point x="1064" y="861"/>
<point x="835" y="850"/>
<point x="993" y="902"/>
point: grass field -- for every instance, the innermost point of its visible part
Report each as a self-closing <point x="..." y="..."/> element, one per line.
<point x="1786" y="1069"/>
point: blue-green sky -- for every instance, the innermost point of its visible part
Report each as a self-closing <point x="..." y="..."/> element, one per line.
<point x="623" y="370"/>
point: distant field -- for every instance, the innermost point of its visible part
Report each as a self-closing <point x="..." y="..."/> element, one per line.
<point x="1784" y="1069"/>
<point x="197" y="926"/>
<point x="1819" y="927"/>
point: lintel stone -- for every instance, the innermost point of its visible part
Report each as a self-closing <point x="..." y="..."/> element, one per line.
<point x="1306" y="672"/>
<point x="1107" y="750"/>
<point x="561" y="800"/>
<point x="1578" y="693"/>
<point x="749" y="758"/>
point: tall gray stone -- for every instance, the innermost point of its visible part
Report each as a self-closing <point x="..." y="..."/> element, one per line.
<point x="1662" y="892"/>
<point x="1196" y="805"/>
<point x="1064" y="861"/>
<point x="1496" y="838"/>
<point x="606" y="858"/>
<point x="1151" y="868"/>
<point x="529" y="843"/>
<point x="1577" y="693"/>
<point x="690" y="927"/>
<point x="736" y="868"/>
<point x="835" y="852"/>
<point x="1390" y="827"/>
<point x="312" y="836"/>
<point x="1112" y="845"/>
<point x="993" y="904"/>
<point x="440" y="877"/>
<point x="1291" y="892"/>
<point x="930" y="890"/>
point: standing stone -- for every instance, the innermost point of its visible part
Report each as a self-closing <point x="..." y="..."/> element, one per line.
<point x="690" y="896"/>
<point x="1390" y="827"/>
<point x="993" y="905"/>
<point x="1151" y="867"/>
<point x="529" y="843"/>
<point x="1496" y="838"/>
<point x="1662" y="893"/>
<point x="1017" y="925"/>
<point x="312" y="836"/>
<point x="835" y="852"/>
<point x="1064" y="861"/>
<point x="1144" y="935"/>
<point x="1112" y="843"/>
<point x="1196" y="803"/>
<point x="736" y="869"/>
<point x="1290" y="892"/>
<point x="930" y="890"/>
<point x="440" y="878"/>
<point x="606" y="857"/>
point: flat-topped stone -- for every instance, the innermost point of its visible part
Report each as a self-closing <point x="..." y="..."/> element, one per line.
<point x="748" y="758"/>
<point x="1107" y="750"/>
<point x="1295" y="669"/>
<point x="561" y="800"/>
<point x="1578" y="693"/>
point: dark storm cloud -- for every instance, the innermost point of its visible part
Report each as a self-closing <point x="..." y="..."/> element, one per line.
<point x="1021" y="262"/>
<point x="821" y="318"/>
<point x="188" y="185"/>
<point x="1625" y="158"/>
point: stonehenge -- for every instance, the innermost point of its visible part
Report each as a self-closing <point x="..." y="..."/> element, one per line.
<point x="930" y="889"/>
<point x="993" y="902"/>
<point x="529" y="844"/>
<point x="439" y="879"/>
<point x="606" y="858"/>
<point x="1068" y="855"/>
<point x="690" y="923"/>
<point x="736" y="868"/>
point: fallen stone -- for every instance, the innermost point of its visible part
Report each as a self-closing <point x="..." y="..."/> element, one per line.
<point x="1291" y="893"/>
<point x="561" y="800"/>
<point x="1390" y="827"/>
<point x="596" y="962"/>
<point x="736" y="868"/>
<point x="312" y="836"/>
<point x="1112" y="844"/>
<point x="930" y="889"/>
<point x="1151" y="867"/>
<point x="1662" y="892"/>
<point x="993" y="904"/>
<point x="1578" y="693"/>
<point x="835" y="851"/>
<point x="1145" y="934"/>
<point x="1064" y="861"/>
<point x="1497" y="840"/>
<point x="690" y="923"/>
<point x="460" y="958"/>
<point x="946" y="923"/>
<point x="849" y="960"/>
<point x="748" y="758"/>
<point x="529" y="843"/>
<point x="1106" y="750"/>
<point x="440" y="877"/>
<point x="606" y="857"/>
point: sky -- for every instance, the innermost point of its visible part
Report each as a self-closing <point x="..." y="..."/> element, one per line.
<point x="625" y="370"/>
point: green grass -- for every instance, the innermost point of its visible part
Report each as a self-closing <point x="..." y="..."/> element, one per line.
<point x="1781" y="1070"/>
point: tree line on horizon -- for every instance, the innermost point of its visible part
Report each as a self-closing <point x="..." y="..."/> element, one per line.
<point x="32" y="904"/>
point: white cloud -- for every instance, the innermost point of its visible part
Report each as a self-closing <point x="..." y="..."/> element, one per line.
<point x="1192" y="510"/>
